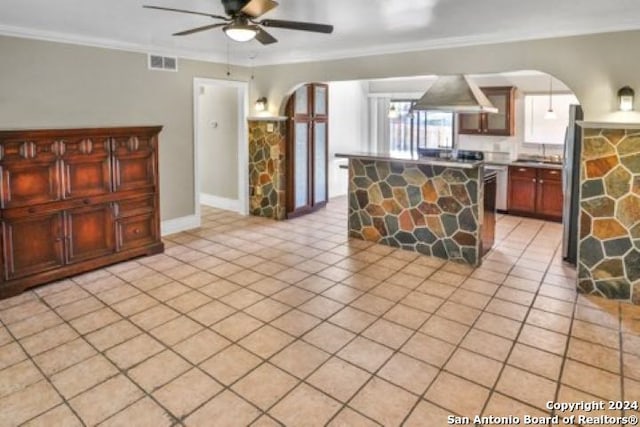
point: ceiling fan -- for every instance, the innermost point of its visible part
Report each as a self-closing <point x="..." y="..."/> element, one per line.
<point x="241" y="25"/>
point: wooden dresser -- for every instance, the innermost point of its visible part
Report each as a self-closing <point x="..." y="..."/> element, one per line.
<point x="74" y="200"/>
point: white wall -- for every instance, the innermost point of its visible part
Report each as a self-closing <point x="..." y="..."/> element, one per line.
<point x="218" y="138"/>
<point x="591" y="65"/>
<point x="348" y="118"/>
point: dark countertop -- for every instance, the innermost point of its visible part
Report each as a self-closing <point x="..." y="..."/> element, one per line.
<point x="525" y="164"/>
<point x="413" y="158"/>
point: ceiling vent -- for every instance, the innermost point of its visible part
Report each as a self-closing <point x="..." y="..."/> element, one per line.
<point x="163" y="63"/>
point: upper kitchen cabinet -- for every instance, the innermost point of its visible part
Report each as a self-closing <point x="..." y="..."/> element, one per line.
<point x="500" y="123"/>
<point x="307" y="151"/>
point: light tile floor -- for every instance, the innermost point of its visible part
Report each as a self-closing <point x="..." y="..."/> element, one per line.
<point x="248" y="321"/>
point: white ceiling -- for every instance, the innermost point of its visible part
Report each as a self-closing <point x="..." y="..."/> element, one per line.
<point x="361" y="26"/>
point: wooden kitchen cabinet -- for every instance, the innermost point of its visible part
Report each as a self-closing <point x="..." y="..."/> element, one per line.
<point x="500" y="123"/>
<point x="74" y="200"/>
<point x="307" y="149"/>
<point x="535" y="192"/>
<point x="549" y="202"/>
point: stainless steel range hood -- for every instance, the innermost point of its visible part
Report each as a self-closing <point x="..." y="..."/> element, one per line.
<point x="457" y="94"/>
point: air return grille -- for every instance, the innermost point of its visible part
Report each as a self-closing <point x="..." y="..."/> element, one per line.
<point x="163" y="63"/>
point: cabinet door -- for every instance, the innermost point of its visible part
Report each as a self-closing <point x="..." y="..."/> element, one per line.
<point x="307" y="183"/>
<point x="470" y="123"/>
<point x="549" y="203"/>
<point x="320" y="176"/>
<point x="90" y="232"/>
<point x="500" y="123"/>
<point x="32" y="244"/>
<point x="300" y="167"/>
<point x="320" y="101"/>
<point x="30" y="174"/>
<point x="134" y="163"/>
<point x="522" y="190"/>
<point x="86" y="168"/>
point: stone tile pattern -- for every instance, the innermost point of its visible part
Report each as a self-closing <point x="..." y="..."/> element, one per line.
<point x="609" y="251"/>
<point x="429" y="209"/>
<point x="267" y="169"/>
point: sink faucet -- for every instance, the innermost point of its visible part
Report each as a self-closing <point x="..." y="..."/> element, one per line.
<point x="544" y="154"/>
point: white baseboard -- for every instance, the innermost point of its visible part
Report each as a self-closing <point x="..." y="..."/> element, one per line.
<point x="172" y="226"/>
<point x="220" y="202"/>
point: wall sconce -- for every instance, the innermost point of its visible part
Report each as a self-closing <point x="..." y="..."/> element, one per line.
<point x="261" y="104"/>
<point x="625" y="98"/>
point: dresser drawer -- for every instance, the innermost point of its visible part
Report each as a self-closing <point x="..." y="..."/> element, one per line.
<point x="136" y="206"/>
<point x="136" y="231"/>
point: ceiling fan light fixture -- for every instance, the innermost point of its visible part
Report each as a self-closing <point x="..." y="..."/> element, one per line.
<point x="241" y="32"/>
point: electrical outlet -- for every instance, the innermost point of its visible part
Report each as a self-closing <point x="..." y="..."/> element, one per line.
<point x="270" y="127"/>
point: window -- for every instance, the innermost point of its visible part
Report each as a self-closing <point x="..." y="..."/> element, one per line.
<point x="419" y="129"/>
<point x="541" y="130"/>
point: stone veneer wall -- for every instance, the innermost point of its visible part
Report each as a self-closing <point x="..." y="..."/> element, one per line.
<point x="609" y="249"/>
<point x="429" y="209"/>
<point x="267" y="169"/>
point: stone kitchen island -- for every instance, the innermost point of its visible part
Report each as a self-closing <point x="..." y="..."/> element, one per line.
<point x="422" y="204"/>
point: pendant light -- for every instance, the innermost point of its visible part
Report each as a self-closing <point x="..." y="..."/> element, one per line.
<point x="550" y="114"/>
<point x="393" y="112"/>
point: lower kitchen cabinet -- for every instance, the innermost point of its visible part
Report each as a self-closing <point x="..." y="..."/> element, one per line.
<point x="535" y="192"/>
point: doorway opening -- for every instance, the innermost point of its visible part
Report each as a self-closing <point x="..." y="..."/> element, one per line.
<point x="221" y="155"/>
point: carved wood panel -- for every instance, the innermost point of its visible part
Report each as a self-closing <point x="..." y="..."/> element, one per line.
<point x="90" y="232"/>
<point x="136" y="230"/>
<point x="86" y="168"/>
<point x="32" y="244"/>
<point x="133" y="163"/>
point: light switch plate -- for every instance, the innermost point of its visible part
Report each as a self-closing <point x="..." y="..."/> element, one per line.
<point x="270" y="127"/>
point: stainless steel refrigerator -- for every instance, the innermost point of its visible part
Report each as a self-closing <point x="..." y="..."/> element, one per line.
<point x="571" y="185"/>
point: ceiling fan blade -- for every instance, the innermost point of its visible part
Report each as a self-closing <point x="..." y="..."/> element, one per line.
<point x="257" y="8"/>
<point x="187" y="11"/>
<point x="264" y="37"/>
<point x="296" y="25"/>
<point x="197" y="30"/>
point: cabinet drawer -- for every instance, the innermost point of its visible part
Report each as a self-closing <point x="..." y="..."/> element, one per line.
<point x="136" y="206"/>
<point x="550" y="174"/>
<point x="522" y="172"/>
<point x="136" y="231"/>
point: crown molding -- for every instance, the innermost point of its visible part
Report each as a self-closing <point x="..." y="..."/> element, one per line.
<point x="300" y="56"/>
<point x="295" y="57"/>
<point x="57" y="37"/>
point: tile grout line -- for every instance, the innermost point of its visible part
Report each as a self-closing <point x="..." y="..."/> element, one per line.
<point x="523" y="322"/>
<point x="456" y="348"/>
<point x="246" y="286"/>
